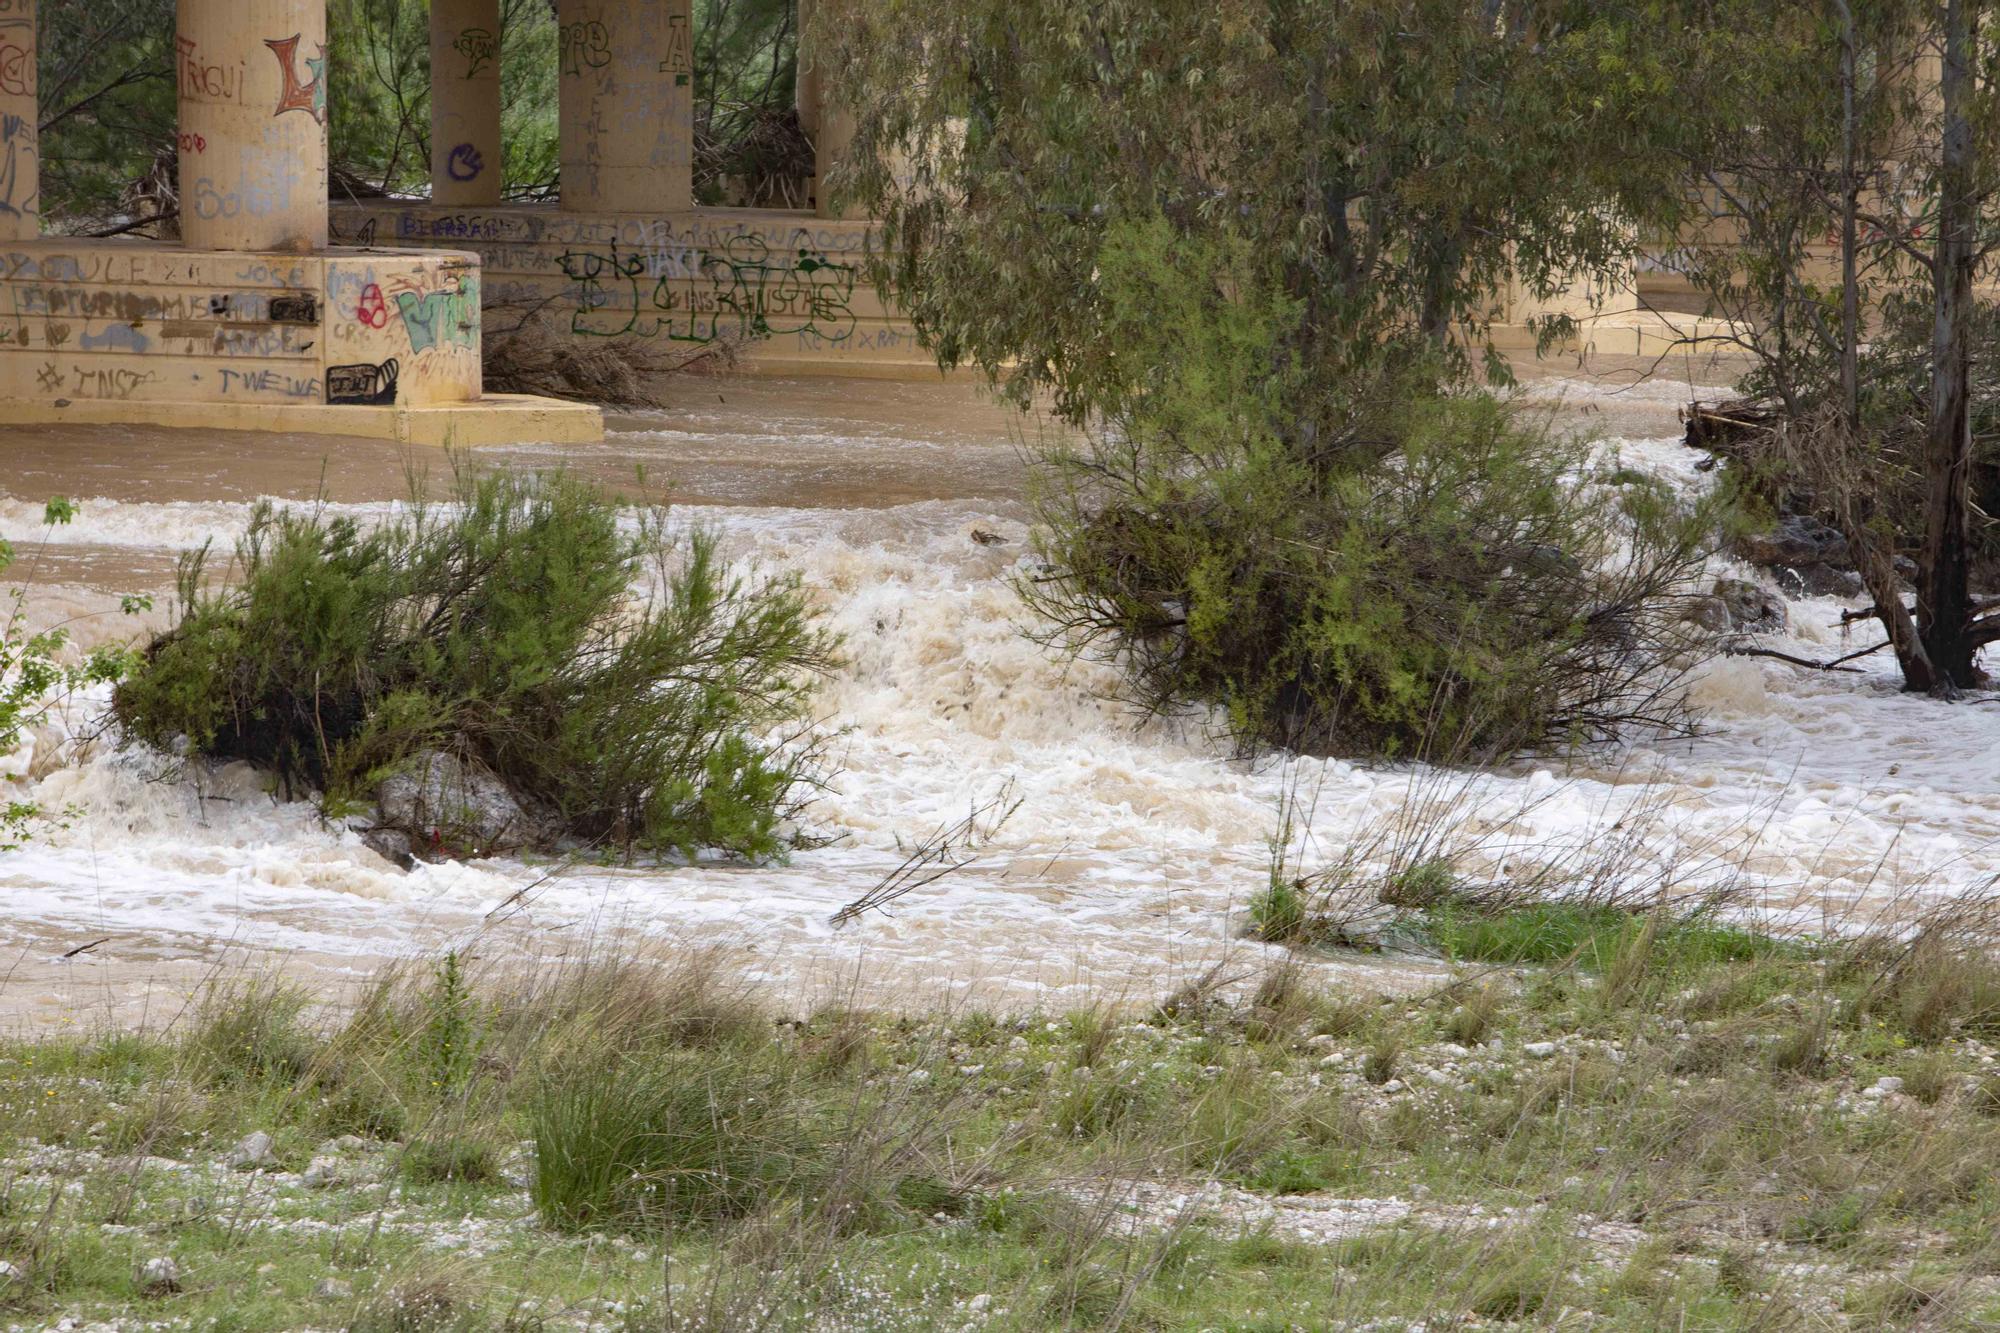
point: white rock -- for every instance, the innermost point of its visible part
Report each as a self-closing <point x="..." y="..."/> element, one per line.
<point x="10" y="1272"/>
<point x="346" y="1143"/>
<point x="978" y="1304"/>
<point x="321" y="1173"/>
<point x="1540" y="1050"/>
<point x="332" y="1289"/>
<point x="1888" y="1084"/>
<point x="160" y="1274"/>
<point x="254" y="1151"/>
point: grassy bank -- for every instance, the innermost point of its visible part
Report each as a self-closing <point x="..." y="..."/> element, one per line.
<point x="1665" y="1128"/>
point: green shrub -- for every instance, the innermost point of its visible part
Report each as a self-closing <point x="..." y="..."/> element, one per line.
<point x="613" y="675"/>
<point x="1343" y="558"/>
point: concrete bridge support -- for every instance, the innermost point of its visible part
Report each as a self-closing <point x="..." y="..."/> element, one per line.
<point x="20" y="138"/>
<point x="465" y="103"/>
<point x="253" y="90"/>
<point x="828" y="123"/>
<point x="627" y="105"/>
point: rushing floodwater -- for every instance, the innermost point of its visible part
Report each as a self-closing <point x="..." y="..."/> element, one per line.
<point x="1828" y="797"/>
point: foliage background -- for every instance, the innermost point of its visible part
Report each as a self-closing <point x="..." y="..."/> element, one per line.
<point x="108" y="96"/>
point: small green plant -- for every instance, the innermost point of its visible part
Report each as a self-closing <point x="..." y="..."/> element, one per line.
<point x="33" y="675"/>
<point x="1278" y="913"/>
<point x="451" y="1037"/>
<point x="1834" y="1221"/>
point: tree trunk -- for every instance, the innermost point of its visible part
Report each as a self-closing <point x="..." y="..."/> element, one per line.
<point x="1944" y="601"/>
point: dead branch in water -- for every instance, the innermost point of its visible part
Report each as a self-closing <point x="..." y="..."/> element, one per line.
<point x="1837" y="664"/>
<point x="949" y="848"/>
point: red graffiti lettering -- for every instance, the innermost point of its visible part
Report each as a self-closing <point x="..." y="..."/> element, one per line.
<point x="372" y="310"/>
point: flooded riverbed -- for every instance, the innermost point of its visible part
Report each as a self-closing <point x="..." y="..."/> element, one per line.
<point x="1127" y="866"/>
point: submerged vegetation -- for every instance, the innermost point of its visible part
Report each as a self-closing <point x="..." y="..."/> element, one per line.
<point x="1759" y="1137"/>
<point x="606" y="667"/>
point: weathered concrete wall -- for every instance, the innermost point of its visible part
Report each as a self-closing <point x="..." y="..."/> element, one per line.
<point x="790" y="288"/>
<point x="130" y="322"/>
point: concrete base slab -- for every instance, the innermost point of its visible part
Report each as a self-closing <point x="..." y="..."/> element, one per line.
<point x="494" y="419"/>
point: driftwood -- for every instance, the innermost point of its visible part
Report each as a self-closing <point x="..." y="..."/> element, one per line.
<point x="1724" y="427"/>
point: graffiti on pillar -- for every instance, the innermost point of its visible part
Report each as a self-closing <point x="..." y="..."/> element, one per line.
<point x="308" y="96"/>
<point x="115" y="338"/>
<point x="607" y="293"/>
<point x="297" y="308"/>
<point x="680" y="50"/>
<point x="269" y="383"/>
<point x="478" y="48"/>
<point x="118" y="383"/>
<point x="465" y="163"/>
<point x="16" y="73"/>
<point x="737" y="292"/>
<point x="444" y="318"/>
<point x="371" y="309"/>
<point x="202" y="78"/>
<point x="192" y="143"/>
<point x="362" y="385"/>
<point x="266" y="189"/>
<point x="585" y="44"/>
<point x="19" y="184"/>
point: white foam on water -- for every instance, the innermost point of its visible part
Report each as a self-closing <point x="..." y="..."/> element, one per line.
<point x="1135" y="847"/>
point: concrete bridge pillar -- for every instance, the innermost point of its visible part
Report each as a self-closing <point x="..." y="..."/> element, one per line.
<point x="20" y="118"/>
<point x="627" y="105"/>
<point x="465" y="102"/>
<point x="822" y="115"/>
<point x="253" y="90"/>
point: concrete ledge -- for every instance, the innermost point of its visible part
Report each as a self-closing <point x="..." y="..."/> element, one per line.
<point x="1641" y="334"/>
<point x="497" y="418"/>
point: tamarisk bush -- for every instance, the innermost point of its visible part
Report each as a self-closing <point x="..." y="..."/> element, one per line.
<point x="603" y="664"/>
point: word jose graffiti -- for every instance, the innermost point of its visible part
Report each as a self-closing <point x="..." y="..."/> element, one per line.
<point x="478" y="48"/>
<point x="739" y="291"/>
<point x="300" y="95"/>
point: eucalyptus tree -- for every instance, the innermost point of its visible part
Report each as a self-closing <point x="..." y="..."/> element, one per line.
<point x="1252" y="247"/>
<point x="1836" y="200"/>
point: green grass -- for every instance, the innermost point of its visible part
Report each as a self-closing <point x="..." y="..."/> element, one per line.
<point x="1593" y="937"/>
<point x="564" y="1141"/>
